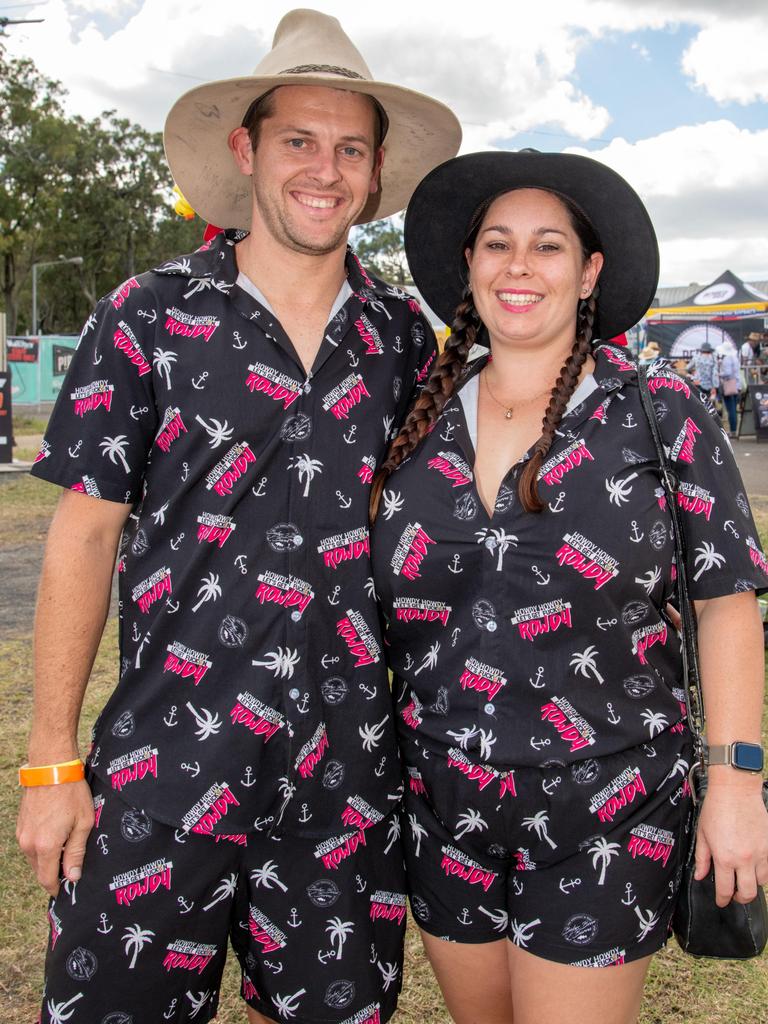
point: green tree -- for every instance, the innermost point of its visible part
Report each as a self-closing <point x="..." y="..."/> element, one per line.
<point x="380" y="246"/>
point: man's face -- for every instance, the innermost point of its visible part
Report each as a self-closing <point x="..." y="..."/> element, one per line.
<point x="314" y="167"/>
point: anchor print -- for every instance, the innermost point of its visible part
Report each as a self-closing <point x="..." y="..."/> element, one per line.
<point x="558" y="506"/>
<point x="541" y="579"/>
<point x="613" y="718"/>
<point x="184" y="471"/>
<point x="334" y="597"/>
<point x="716" y="456"/>
<point x="327" y="660"/>
<point x="171" y="1010"/>
<point x="74" y="453"/>
<point x="538" y="744"/>
<point x="176" y="541"/>
<point x="238" y="342"/>
<point x="449" y="431"/>
<point x="463" y="917"/>
<point x="517" y="885"/>
<point x="550" y="787"/>
<point x="398" y="346"/>
<point x="150" y="316"/>
<point x="349" y="436"/>
<point x="303" y="706"/>
<point x="305" y="814"/>
<point x="455" y="635"/>
<point x="101" y="842"/>
<point x="249" y="780"/>
<point x="353" y="360"/>
<point x="260" y="492"/>
<point x="180" y="836"/>
<point x="379" y="771"/>
<point x="240" y="562"/>
<point x="605" y="624"/>
<point x="293" y="921"/>
<point x="629" y="421"/>
<point x="455" y="567"/>
<point x="635" y="536"/>
<point x="193" y="769"/>
<point x="275" y="968"/>
<point x="629" y="899"/>
<point x="368" y="691"/>
<point x="135" y="635"/>
<point x="261" y="823"/>
<point x="570" y="885"/>
<point x="186" y="907"/>
<point x="344" y="501"/>
<point x="172" y="606"/>
<point x="97" y="358"/>
<point x="135" y="411"/>
<point x="170" y="718"/>
<point x="730" y="527"/>
<point x="325" y="957"/>
<point x="537" y="683"/>
<point x="199" y="384"/>
<point x="103" y="926"/>
<point x="360" y="884"/>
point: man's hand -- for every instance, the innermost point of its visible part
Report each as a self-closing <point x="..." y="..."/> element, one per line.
<point x="52" y="830"/>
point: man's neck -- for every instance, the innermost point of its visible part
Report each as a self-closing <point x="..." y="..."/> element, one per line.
<point x="290" y="279"/>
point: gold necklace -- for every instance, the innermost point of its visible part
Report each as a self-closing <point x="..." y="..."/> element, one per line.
<point x="508" y="409"/>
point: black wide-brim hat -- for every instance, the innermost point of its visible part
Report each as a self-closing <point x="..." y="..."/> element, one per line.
<point x="439" y="214"/>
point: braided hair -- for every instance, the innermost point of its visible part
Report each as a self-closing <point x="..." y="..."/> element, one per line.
<point x="441" y="383"/>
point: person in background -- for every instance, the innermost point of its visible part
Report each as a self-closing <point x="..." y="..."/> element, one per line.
<point x="729" y="372"/>
<point x="703" y="371"/>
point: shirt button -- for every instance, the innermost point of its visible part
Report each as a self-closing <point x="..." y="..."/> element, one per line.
<point x="489" y="709"/>
<point x="294" y="694"/>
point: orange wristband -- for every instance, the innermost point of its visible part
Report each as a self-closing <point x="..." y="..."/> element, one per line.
<point x="51" y="774"/>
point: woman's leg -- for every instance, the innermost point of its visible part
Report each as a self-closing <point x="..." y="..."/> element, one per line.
<point x="730" y="405"/>
<point x="544" y="991"/>
<point x="474" y="979"/>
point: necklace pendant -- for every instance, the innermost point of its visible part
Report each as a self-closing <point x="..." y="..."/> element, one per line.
<point x="508" y="414"/>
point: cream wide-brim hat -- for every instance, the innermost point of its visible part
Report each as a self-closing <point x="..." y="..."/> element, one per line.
<point x="309" y="48"/>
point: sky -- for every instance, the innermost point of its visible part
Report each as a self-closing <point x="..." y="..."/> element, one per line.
<point x="673" y="94"/>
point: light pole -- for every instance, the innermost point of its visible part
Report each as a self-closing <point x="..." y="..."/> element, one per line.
<point x="77" y="260"/>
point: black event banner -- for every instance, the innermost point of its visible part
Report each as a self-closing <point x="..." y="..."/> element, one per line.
<point x="62" y="357"/>
<point x="6" y="422"/>
<point x="22" y="350"/>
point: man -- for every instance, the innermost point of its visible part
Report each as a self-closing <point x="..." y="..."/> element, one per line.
<point x="217" y="433"/>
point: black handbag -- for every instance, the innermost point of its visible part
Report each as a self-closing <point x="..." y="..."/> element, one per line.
<point x="739" y="930"/>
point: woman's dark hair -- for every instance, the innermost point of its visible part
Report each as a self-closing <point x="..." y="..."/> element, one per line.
<point x="441" y="383"/>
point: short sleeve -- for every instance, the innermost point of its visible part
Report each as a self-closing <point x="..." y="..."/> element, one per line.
<point x="101" y="430"/>
<point x="724" y="554"/>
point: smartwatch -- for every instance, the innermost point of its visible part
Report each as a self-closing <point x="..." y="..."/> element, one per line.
<point x="748" y="757"/>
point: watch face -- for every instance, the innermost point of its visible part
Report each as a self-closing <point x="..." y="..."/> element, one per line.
<point x="747" y="756"/>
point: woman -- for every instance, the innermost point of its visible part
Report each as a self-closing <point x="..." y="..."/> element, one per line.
<point x="729" y="371"/>
<point x="523" y="559"/>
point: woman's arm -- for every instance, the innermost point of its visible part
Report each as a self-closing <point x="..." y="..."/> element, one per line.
<point x="733" y="829"/>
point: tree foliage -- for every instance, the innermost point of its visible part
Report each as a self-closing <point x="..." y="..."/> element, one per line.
<point x="380" y="246"/>
<point x="99" y="189"/>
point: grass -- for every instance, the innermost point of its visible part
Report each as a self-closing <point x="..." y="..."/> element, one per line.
<point x="680" y="989"/>
<point x="28" y="423"/>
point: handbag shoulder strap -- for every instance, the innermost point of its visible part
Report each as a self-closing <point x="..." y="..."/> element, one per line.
<point x="691" y="675"/>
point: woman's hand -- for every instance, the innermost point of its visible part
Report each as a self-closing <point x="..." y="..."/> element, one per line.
<point x="733" y="832"/>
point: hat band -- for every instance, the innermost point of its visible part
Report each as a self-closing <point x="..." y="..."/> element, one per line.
<point x="329" y="69"/>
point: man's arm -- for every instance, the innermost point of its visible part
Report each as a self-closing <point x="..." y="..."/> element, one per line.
<point x="72" y="607"/>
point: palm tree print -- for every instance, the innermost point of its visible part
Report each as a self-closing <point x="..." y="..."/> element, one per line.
<point x="655" y="721"/>
<point x="389" y="973"/>
<point x="306" y="467"/>
<point x="648" y="921"/>
<point x="619" y="490"/>
<point x="209" y="590"/>
<point x="584" y="663"/>
<point x="115" y="447"/>
<point x="464" y="735"/>
<point x="135" y="938"/>
<point x="602" y="852"/>
<point x="650" y="580"/>
<point x="207" y="724"/>
<point x="430" y="658"/>
<point x="163" y="361"/>
<point x="339" y="931"/>
<point x="217" y="431"/>
<point x="523" y="933"/>
<point x="282" y="662"/>
<point x="266" y="875"/>
<point x="288" y="1006"/>
<point x="470" y="821"/>
<point x="198" y="1001"/>
<point x="223" y="891"/>
<point x="61" y="1012"/>
<point x="496" y="540"/>
<point x="393" y="833"/>
<point x="707" y="558"/>
<point x="500" y="918"/>
<point x="418" y="832"/>
<point x="487" y="740"/>
<point x="538" y="822"/>
<point x="393" y="502"/>
<point x="371" y="735"/>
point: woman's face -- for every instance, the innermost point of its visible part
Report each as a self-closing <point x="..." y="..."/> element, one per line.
<point x="528" y="272"/>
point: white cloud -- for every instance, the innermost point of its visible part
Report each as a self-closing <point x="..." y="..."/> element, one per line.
<point x="704" y="187"/>
<point x="730" y="60"/>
